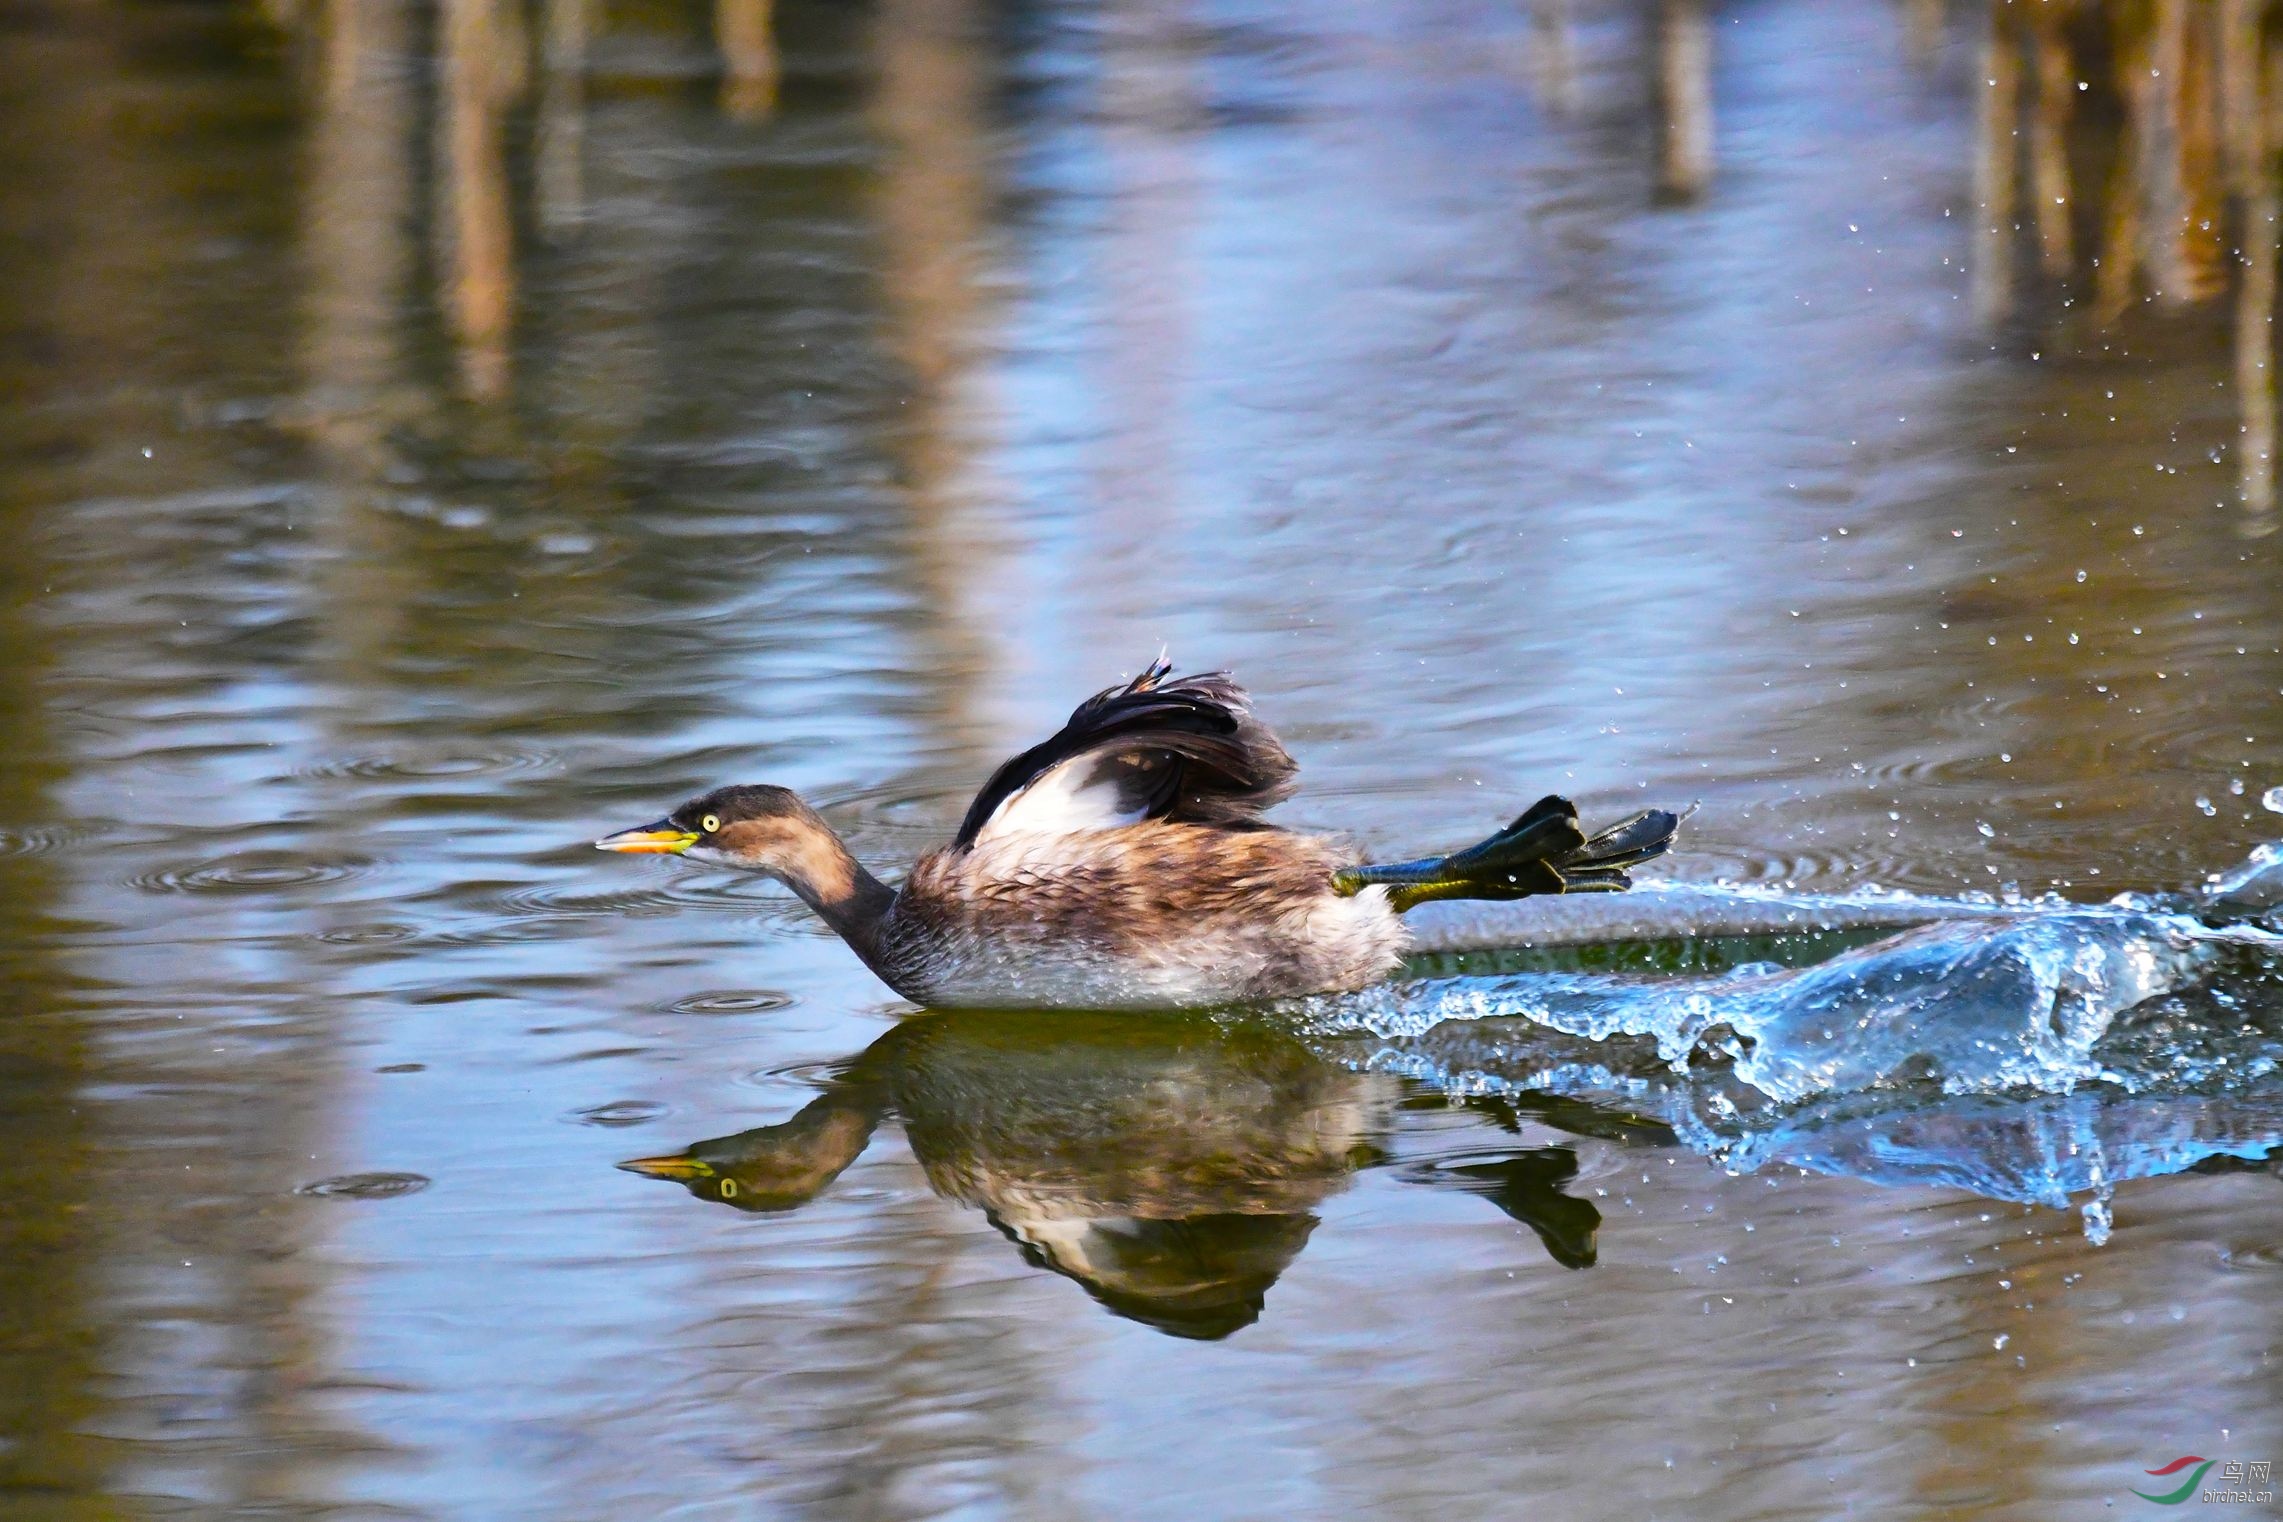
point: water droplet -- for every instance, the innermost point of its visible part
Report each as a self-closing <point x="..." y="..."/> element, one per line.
<point x="2235" y="786"/>
<point x="2080" y="575"/>
<point x="1986" y="832"/>
<point x="2272" y="800"/>
<point x="2204" y="806"/>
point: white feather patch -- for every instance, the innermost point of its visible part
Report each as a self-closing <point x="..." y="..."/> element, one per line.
<point x="1075" y="797"/>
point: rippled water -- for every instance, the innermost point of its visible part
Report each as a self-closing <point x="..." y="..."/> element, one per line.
<point x="436" y="436"/>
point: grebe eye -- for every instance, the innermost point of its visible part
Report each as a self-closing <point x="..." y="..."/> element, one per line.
<point x="729" y="1189"/>
<point x="709" y="824"/>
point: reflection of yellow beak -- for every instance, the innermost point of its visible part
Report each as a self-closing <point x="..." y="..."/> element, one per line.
<point x="680" y="1167"/>
<point x="665" y="838"/>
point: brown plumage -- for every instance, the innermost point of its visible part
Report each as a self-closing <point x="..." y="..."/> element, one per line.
<point x="1123" y="862"/>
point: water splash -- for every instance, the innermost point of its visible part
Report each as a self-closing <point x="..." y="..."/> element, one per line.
<point x="2018" y="1001"/>
<point x="2030" y="1052"/>
<point x="2255" y="887"/>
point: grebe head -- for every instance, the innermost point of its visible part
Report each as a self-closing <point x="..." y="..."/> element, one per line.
<point x="760" y="829"/>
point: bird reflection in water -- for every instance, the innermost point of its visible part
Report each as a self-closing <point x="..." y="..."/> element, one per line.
<point x="1172" y="1166"/>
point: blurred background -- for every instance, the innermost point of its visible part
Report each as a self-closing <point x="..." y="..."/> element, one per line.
<point x="435" y="434"/>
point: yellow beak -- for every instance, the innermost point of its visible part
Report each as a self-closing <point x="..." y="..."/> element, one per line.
<point x="665" y="838"/>
<point x="680" y="1167"/>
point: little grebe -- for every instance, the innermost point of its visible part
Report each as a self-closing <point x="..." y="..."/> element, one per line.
<point x="1124" y="864"/>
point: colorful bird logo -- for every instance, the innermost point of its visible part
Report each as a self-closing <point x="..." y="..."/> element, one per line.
<point x="2187" y="1488"/>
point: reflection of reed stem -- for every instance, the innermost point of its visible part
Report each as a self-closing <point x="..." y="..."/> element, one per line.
<point x="749" y="57"/>
<point x="2243" y="111"/>
<point x="359" y="190"/>
<point x="481" y="291"/>
<point x="2170" y="91"/>
<point x="1922" y="32"/>
<point x="2049" y="137"/>
<point x="2203" y="168"/>
<point x="1994" y="172"/>
<point x="2254" y="346"/>
<point x="561" y="182"/>
<point x="2155" y="93"/>
<point x="2119" y="259"/>
<point x="933" y="198"/>
<point x="1553" y="56"/>
<point x="1684" y="99"/>
<point x="2120" y="245"/>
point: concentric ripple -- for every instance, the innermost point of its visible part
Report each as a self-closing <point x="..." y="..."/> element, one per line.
<point x="618" y="1113"/>
<point x="433" y="766"/>
<point x="806" y="1075"/>
<point x="366" y="935"/>
<point x="661" y="896"/>
<point x="730" y="1001"/>
<point x="250" y="872"/>
<point x="915" y="818"/>
<point x="365" y="1186"/>
<point x="43" y="839"/>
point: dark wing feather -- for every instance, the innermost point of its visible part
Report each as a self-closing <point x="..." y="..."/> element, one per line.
<point x="1183" y="748"/>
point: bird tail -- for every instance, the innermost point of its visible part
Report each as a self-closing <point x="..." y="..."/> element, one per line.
<point x="1544" y="851"/>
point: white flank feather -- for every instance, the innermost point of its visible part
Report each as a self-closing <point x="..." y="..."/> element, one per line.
<point x="1079" y="795"/>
